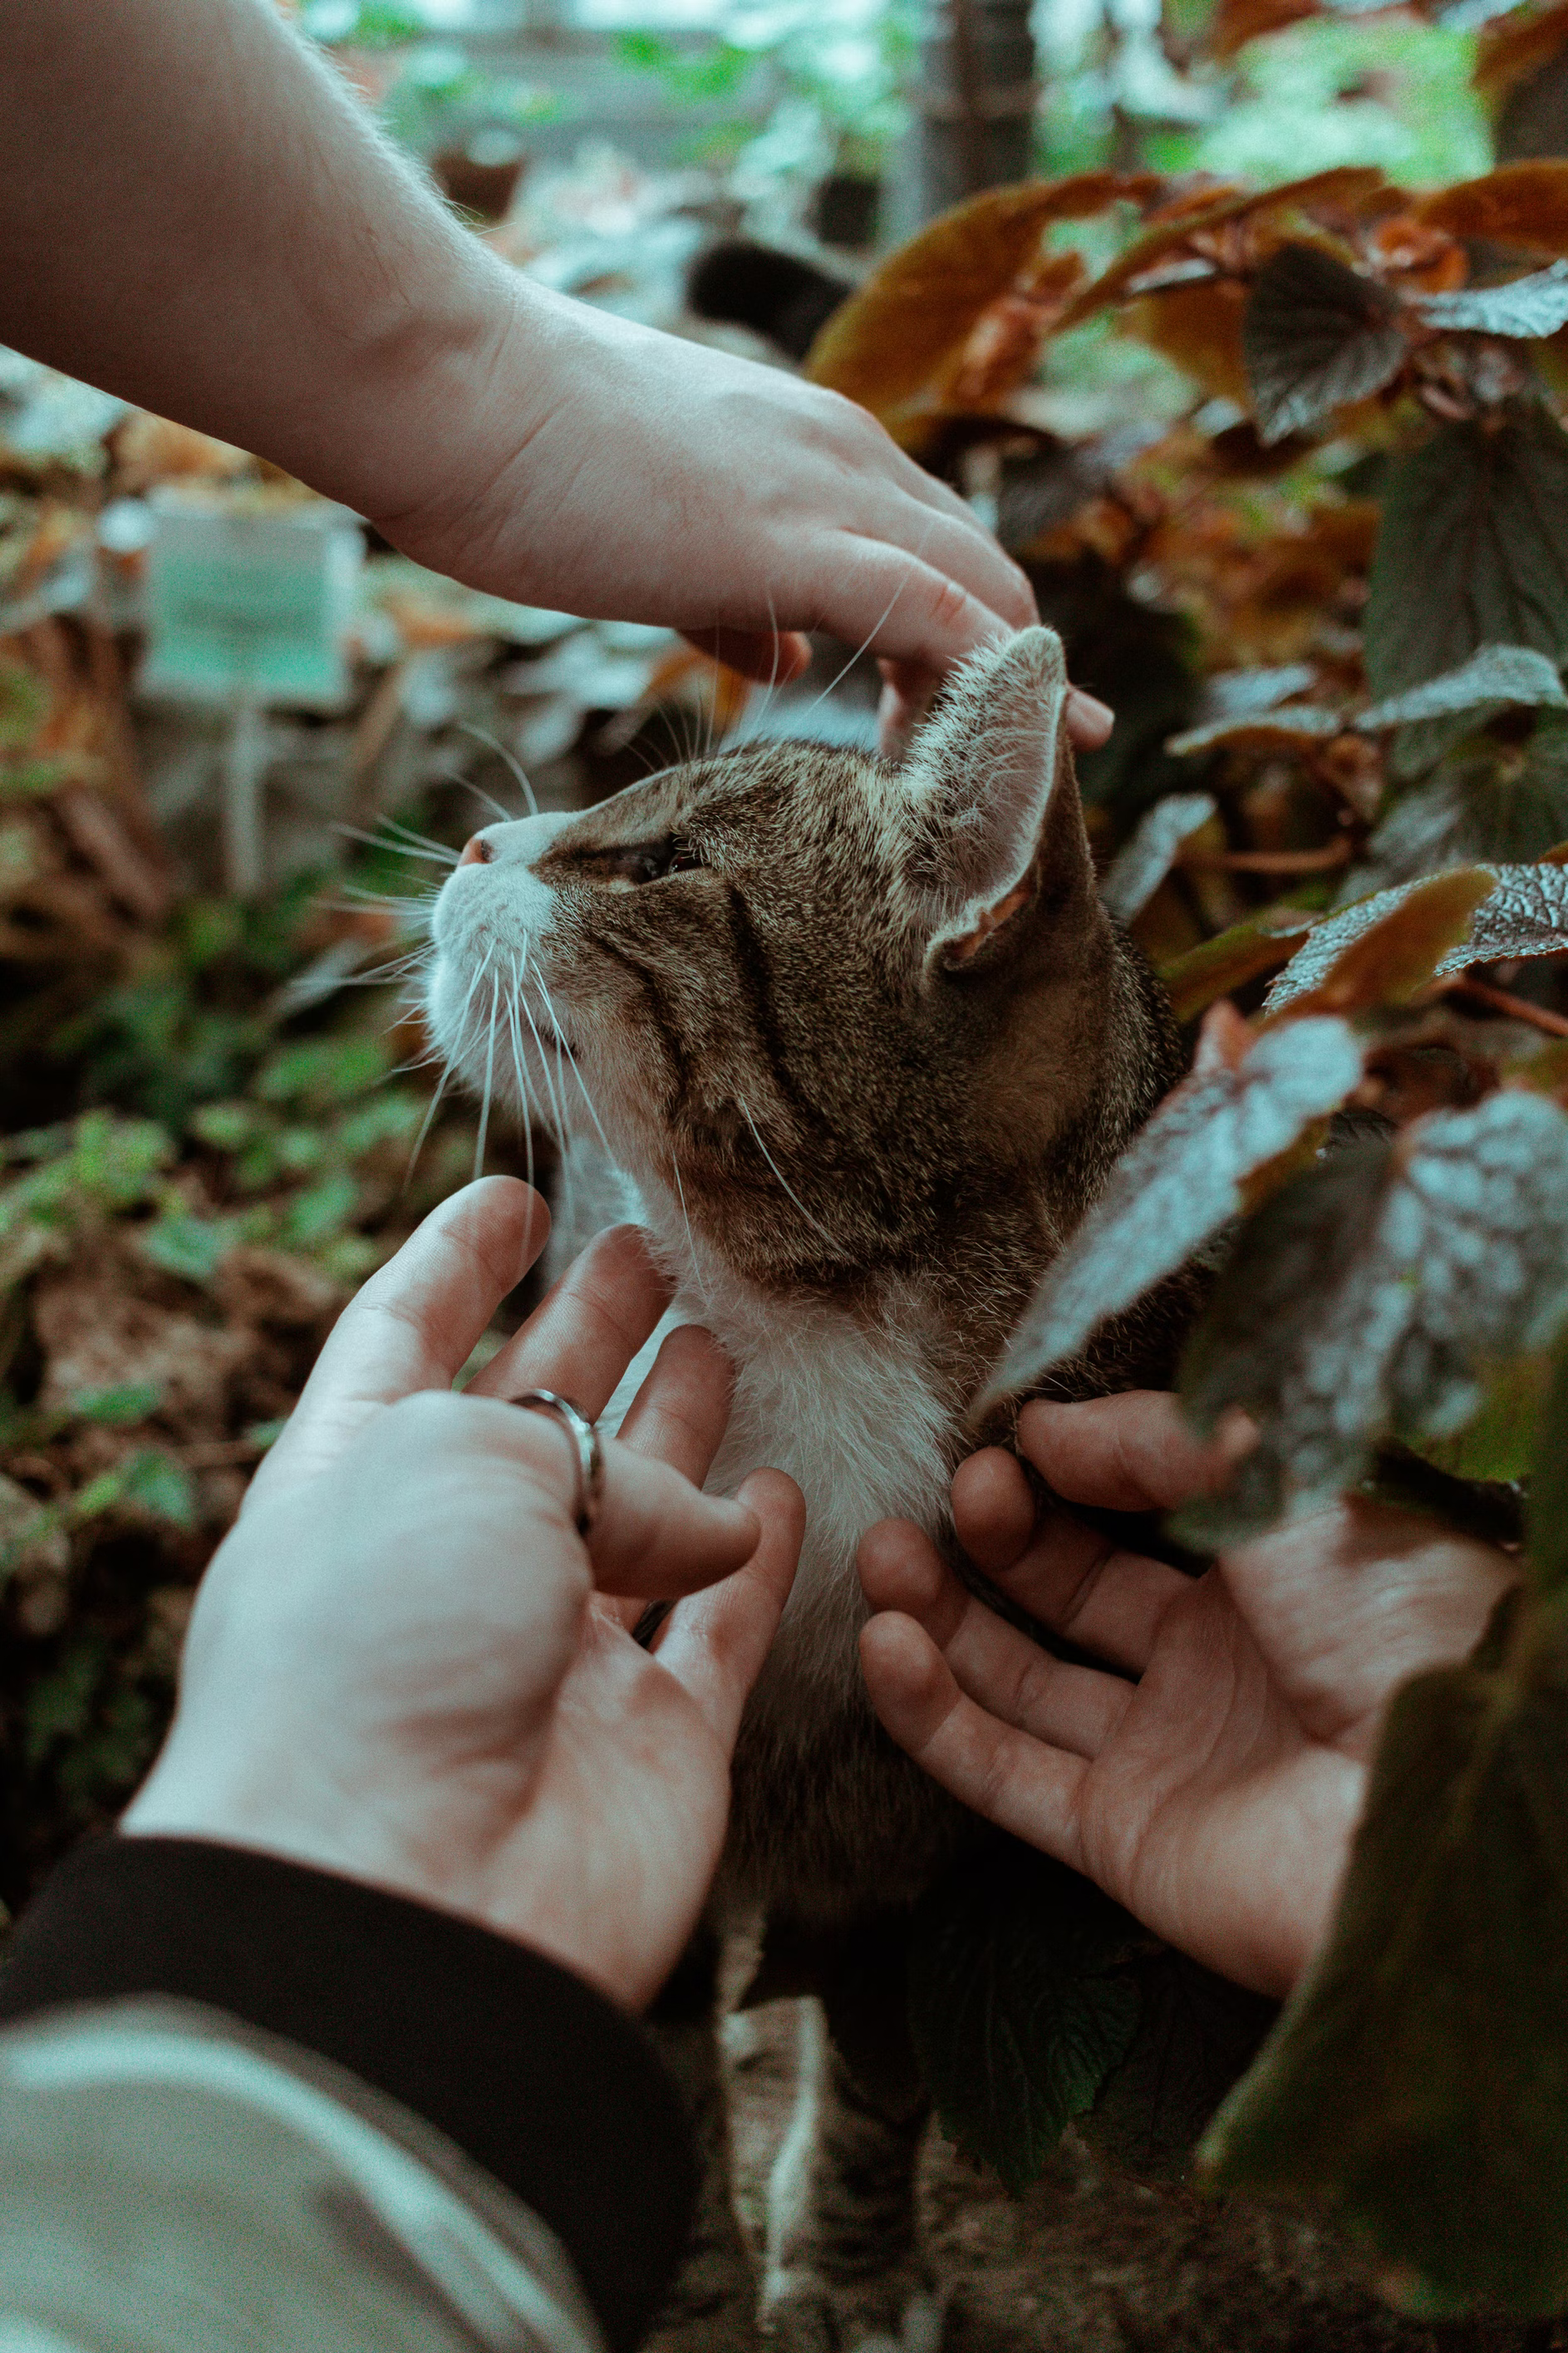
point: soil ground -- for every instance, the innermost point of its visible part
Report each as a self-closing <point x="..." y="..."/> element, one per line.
<point x="1090" y="2262"/>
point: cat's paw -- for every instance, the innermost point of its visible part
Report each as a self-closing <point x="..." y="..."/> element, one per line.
<point x="808" y="2314"/>
<point x="729" y="2327"/>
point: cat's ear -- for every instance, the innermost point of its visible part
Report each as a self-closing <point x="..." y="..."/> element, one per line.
<point x="991" y="797"/>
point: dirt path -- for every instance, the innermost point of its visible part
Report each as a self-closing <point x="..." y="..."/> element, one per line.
<point x="1086" y="2264"/>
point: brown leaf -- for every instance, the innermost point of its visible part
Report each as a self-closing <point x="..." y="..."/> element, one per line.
<point x="1514" y="47"/>
<point x="912" y="317"/>
<point x="1198" y="328"/>
<point x="1237" y="22"/>
<point x="1381" y="950"/>
<point x="1519" y="203"/>
<point x="1243" y="952"/>
<point x="1347" y="187"/>
<point x="1004" y="341"/>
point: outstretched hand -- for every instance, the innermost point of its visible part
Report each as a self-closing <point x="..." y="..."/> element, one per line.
<point x="405" y="1665"/>
<point x="1209" y="1776"/>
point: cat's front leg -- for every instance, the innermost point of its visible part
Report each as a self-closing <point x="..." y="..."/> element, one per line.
<point x="712" y="2307"/>
<point x="846" y="2272"/>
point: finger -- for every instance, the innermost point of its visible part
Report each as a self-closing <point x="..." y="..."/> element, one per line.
<point x="1090" y="721"/>
<point x="773" y="658"/>
<point x="679" y="1413"/>
<point x="952" y="542"/>
<point x="901" y="1569"/>
<point x="1073" y="1707"/>
<point x="414" y="1325"/>
<point x="715" y="1645"/>
<point x="1130" y="1453"/>
<point x="907" y="692"/>
<point x="1086" y="1587"/>
<point x="993" y="1508"/>
<point x="893" y="603"/>
<point x="581" y="1339"/>
<point x="1018" y="1782"/>
<point x="657" y="1537"/>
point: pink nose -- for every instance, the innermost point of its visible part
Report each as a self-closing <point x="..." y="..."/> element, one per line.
<point x="476" y="852"/>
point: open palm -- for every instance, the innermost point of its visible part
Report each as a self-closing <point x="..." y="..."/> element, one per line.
<point x="404" y="1664"/>
<point x="1210" y="1775"/>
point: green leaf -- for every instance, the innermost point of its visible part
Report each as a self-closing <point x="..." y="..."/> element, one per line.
<point x="1417" y="2081"/>
<point x="321" y="1211"/>
<point x="1496" y="675"/>
<point x="188" y="1246"/>
<point x="1496" y="1444"/>
<point x="98" y="1495"/>
<point x="162" y="1486"/>
<point x="1176" y="1185"/>
<point x="1021" y="2003"/>
<point x="323" y="1071"/>
<point x="1548" y="1523"/>
<point x="127" y="1402"/>
<point x="1528" y="307"/>
<point x="1141" y="864"/>
<point x="1315" y="335"/>
<point x="60" y="1704"/>
<point x="1506" y="803"/>
<point x="224" y="1126"/>
<point x="1473" y="550"/>
<point x="1196" y="2034"/>
<point x="1369" y="1298"/>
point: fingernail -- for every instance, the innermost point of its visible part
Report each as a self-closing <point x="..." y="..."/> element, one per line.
<point x="1090" y="707"/>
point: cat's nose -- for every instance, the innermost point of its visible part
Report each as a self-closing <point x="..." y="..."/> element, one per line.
<point x="476" y="852"/>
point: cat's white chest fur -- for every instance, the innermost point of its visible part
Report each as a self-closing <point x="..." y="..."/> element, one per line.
<point x="847" y="1408"/>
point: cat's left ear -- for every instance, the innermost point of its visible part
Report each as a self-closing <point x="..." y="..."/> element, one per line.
<point x="992" y="798"/>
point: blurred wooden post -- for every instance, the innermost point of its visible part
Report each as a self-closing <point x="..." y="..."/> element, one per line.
<point x="244" y="767"/>
<point x="976" y="102"/>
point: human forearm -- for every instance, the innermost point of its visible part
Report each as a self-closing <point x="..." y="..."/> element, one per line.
<point x="195" y="213"/>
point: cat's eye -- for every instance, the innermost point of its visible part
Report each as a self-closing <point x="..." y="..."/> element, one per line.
<point x="650" y="862"/>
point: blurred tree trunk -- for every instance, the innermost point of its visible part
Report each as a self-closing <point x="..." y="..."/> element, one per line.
<point x="975" y="99"/>
<point x="1533" y="121"/>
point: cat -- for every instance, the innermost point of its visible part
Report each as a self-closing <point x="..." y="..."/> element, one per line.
<point x="866" y="1044"/>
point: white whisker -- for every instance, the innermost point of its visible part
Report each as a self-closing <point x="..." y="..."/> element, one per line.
<point x="581" y="1081"/>
<point x="783" y="1182"/>
<point x="435" y="856"/>
<point x="509" y="760"/>
<point x="691" y="1243"/>
<point x="489" y="1085"/>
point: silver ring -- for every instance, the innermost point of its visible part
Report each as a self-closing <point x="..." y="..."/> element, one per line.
<point x="584" y="1436"/>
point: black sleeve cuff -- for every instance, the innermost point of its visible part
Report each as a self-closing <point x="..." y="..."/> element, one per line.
<point x="534" y="2076"/>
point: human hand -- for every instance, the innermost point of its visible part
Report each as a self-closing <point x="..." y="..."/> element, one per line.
<point x="1210" y="1778"/>
<point x="608" y="468"/>
<point x="398" y="1667"/>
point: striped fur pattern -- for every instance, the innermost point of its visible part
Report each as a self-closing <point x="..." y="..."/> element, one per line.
<point x="864" y="1043"/>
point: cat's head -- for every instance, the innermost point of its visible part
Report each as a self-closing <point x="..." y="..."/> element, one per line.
<point x="851" y="1018"/>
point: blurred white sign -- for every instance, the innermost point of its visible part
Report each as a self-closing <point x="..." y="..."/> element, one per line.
<point x="250" y="606"/>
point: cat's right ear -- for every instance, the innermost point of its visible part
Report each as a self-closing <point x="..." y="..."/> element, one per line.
<point x="991" y="799"/>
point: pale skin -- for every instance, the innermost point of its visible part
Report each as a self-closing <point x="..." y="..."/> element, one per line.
<point x="405" y="1665"/>
<point x="195" y="213"/>
<point x="1210" y="1776"/>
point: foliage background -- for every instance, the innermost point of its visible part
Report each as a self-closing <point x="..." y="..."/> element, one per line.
<point x="1264" y="381"/>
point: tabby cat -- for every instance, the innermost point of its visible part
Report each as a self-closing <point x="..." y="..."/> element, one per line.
<point x="866" y="1044"/>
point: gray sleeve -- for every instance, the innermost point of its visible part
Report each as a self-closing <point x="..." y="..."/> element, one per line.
<point x="175" y="2182"/>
